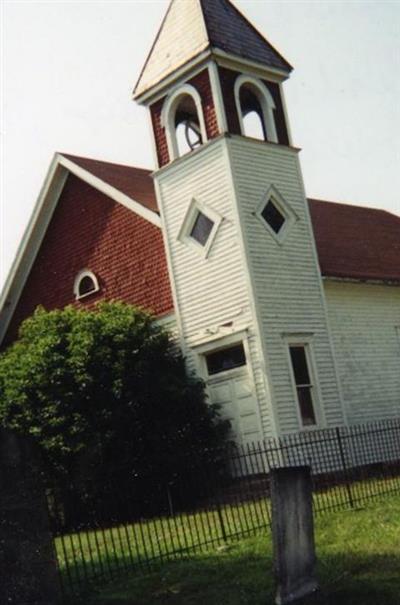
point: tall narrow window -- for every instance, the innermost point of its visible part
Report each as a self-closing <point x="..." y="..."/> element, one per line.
<point x="304" y="384"/>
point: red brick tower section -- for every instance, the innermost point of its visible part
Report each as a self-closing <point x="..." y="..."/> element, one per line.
<point x="90" y="230"/>
<point x="201" y="82"/>
<point x="227" y="79"/>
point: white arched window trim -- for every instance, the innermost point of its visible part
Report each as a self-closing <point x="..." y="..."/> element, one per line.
<point x="266" y="101"/>
<point x="81" y="275"/>
<point x="168" y="116"/>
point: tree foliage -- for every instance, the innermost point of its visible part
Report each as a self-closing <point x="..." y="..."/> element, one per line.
<point x="105" y="390"/>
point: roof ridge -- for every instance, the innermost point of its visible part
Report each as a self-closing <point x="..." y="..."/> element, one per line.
<point x="353" y="205"/>
<point x="72" y="156"/>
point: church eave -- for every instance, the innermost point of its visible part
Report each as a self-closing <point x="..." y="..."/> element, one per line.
<point x="224" y="59"/>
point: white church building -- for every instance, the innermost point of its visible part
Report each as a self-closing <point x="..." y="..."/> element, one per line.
<point x="289" y="308"/>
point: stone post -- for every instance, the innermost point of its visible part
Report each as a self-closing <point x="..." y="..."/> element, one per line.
<point x="28" y="571"/>
<point x="293" y="533"/>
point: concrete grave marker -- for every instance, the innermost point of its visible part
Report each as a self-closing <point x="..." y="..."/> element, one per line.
<point x="293" y="534"/>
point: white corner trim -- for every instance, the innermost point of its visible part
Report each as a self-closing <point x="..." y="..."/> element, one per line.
<point x="266" y="101"/>
<point x="250" y="282"/>
<point x="219" y="104"/>
<point x="285" y="114"/>
<point x="152" y="138"/>
<point x="110" y="191"/>
<point x="322" y="293"/>
<point x="168" y="116"/>
<point x="177" y="312"/>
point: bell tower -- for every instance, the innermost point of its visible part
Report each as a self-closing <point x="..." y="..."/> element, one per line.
<point x="247" y="288"/>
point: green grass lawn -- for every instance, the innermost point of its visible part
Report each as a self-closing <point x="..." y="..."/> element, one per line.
<point x="113" y="552"/>
<point x="358" y="564"/>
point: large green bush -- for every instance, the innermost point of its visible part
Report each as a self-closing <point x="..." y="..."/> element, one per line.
<point x="105" y="393"/>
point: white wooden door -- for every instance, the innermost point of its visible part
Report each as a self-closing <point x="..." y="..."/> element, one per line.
<point x="233" y="390"/>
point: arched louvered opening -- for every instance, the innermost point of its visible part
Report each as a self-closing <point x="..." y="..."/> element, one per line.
<point x="252" y="114"/>
<point x="255" y="107"/>
<point x="183" y="120"/>
<point x="187" y="126"/>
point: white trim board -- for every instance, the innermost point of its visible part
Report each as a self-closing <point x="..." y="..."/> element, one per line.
<point x="109" y="190"/>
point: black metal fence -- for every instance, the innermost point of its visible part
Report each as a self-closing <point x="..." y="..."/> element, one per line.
<point x="101" y="532"/>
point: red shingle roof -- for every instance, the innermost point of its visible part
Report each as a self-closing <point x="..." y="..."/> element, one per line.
<point x="136" y="183"/>
<point x="356" y="242"/>
<point x="352" y="241"/>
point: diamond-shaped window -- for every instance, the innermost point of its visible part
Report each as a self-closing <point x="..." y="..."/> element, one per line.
<point x="200" y="227"/>
<point x="276" y="214"/>
<point x="273" y="216"/>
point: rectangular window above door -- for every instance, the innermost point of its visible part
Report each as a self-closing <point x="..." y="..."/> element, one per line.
<point x="305" y="389"/>
<point x="225" y="359"/>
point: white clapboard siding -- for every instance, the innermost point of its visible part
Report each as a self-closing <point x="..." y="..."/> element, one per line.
<point x="213" y="291"/>
<point x="285" y="277"/>
<point x="365" y="323"/>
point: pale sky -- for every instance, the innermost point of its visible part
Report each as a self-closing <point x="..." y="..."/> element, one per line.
<point x="68" y="69"/>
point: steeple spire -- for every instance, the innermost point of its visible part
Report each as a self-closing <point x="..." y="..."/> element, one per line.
<point x="194" y="27"/>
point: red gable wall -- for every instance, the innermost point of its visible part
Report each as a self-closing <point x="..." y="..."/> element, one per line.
<point x="89" y="230"/>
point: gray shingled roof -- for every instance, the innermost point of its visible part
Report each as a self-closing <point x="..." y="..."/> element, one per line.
<point x="231" y="32"/>
<point x="192" y="27"/>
